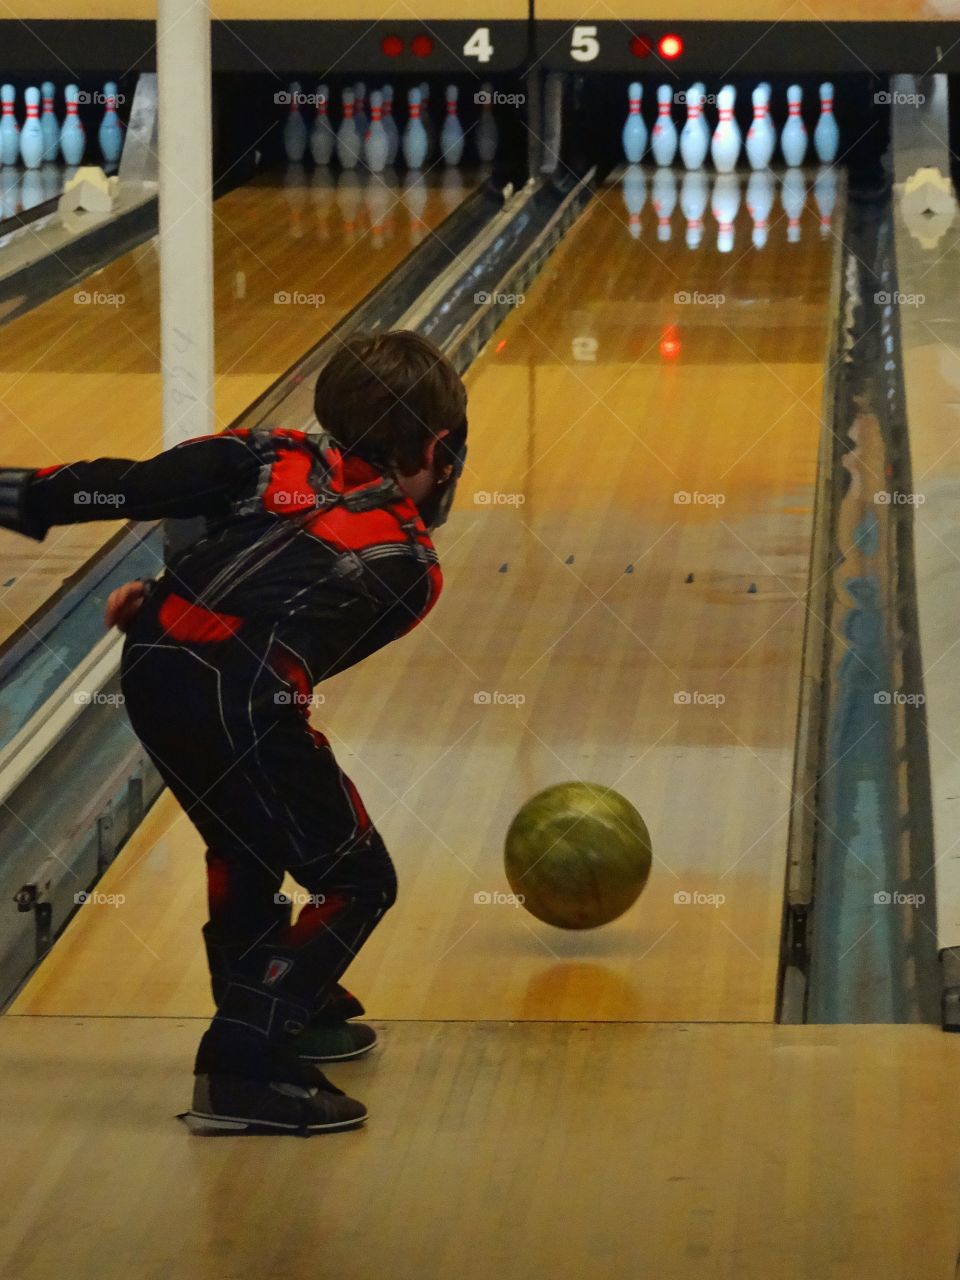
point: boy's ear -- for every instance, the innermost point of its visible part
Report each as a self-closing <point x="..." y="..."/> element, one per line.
<point x="431" y="447"/>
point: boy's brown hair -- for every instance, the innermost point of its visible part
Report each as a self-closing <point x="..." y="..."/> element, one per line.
<point x="385" y="397"/>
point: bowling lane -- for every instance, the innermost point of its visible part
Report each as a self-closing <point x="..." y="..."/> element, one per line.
<point x="571" y="644"/>
<point x="80" y="375"/>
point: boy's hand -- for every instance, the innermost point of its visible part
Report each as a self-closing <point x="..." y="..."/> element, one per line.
<point x="124" y="604"/>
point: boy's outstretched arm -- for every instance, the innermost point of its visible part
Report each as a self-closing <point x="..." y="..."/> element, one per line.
<point x="198" y="478"/>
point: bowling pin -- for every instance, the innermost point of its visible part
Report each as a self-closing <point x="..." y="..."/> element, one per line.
<point x="634" y="129"/>
<point x="9" y="129"/>
<point x="360" y="108"/>
<point x="793" y="195"/>
<point x="725" y="143"/>
<point x="427" y="119"/>
<point x="634" y="197"/>
<point x="376" y="145"/>
<point x="725" y="201"/>
<point x="31" y="135"/>
<point x="694" y="195"/>
<point x="49" y="124"/>
<point x="760" y="195"/>
<point x="414" y="135"/>
<point x="323" y="140"/>
<point x="793" y="139"/>
<point x="826" y="136"/>
<point x="73" y="137"/>
<point x="663" y="140"/>
<point x="761" y="136"/>
<point x="825" y="195"/>
<point x="393" y="133"/>
<point x="110" y="135"/>
<point x="694" y="136"/>
<point x="349" y="142"/>
<point x="487" y="133"/>
<point x="295" y="129"/>
<point x="451" y="135"/>
<point x="664" y="201"/>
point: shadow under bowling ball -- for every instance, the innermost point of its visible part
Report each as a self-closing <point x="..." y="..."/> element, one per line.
<point x="561" y="989"/>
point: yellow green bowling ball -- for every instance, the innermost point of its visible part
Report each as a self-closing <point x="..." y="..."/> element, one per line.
<point x="578" y="855"/>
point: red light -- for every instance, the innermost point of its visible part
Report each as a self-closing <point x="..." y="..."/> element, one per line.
<point x="422" y="46"/>
<point x="392" y="46"/>
<point x="641" y="46"/>
<point x="671" y="47"/>
<point x="501" y="345"/>
<point x="670" y="345"/>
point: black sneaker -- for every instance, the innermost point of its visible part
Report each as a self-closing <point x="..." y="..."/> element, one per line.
<point x="334" y="1041"/>
<point x="233" y="1104"/>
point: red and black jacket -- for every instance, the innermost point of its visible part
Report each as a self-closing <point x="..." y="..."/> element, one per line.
<point x="321" y="552"/>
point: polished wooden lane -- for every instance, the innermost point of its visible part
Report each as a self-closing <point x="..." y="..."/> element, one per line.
<point x="609" y="464"/>
<point x="569" y="1150"/>
<point x="80" y="375"/>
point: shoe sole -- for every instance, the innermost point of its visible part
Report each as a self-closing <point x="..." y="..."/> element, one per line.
<point x="202" y="1122"/>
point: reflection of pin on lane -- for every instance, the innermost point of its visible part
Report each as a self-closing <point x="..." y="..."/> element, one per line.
<point x="793" y="196"/>
<point x="825" y="195"/>
<point x="694" y="194"/>
<point x="724" y="203"/>
<point x="761" y="190"/>
<point x="664" y="201"/>
<point x="415" y="199"/>
<point x="634" y="197"/>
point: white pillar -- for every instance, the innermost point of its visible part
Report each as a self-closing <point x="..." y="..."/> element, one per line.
<point x="186" y="219"/>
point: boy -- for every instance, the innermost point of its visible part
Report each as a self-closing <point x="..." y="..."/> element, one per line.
<point x="316" y="554"/>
